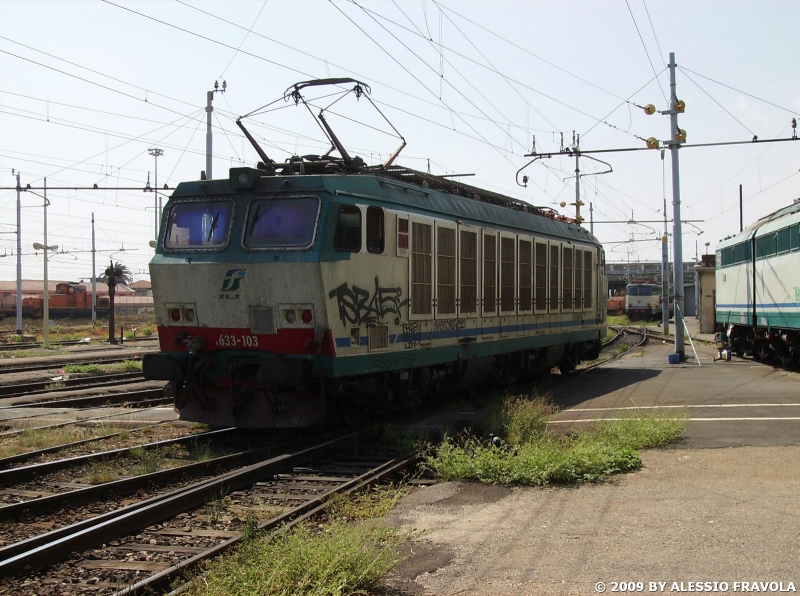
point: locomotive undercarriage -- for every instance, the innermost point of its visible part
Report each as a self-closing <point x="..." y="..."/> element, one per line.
<point x="275" y="391"/>
<point x="780" y="346"/>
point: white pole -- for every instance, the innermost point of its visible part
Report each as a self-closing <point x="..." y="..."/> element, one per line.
<point x="46" y="296"/>
<point x="19" y="260"/>
<point x="94" y="278"/>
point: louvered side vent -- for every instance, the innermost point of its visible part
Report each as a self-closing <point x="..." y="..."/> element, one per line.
<point x="446" y="270"/>
<point x="378" y="338"/>
<point x="262" y="320"/>
<point x="421" y="269"/>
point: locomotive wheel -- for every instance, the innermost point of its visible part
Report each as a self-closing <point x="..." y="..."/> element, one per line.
<point x="179" y="398"/>
<point x="352" y="411"/>
<point x="567" y="364"/>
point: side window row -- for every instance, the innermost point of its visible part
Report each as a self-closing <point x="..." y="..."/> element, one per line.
<point x="347" y="236"/>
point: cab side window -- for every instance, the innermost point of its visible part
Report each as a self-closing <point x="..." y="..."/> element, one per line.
<point x="347" y="237"/>
<point x="375" y="233"/>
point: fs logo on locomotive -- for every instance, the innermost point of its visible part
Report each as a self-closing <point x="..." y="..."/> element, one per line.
<point x="230" y="284"/>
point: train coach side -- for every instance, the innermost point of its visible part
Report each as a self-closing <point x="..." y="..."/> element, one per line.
<point x="758" y="286"/>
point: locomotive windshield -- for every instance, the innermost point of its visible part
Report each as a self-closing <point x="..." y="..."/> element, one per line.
<point x="640" y="290"/>
<point x="285" y="223"/>
<point x="199" y="224"/>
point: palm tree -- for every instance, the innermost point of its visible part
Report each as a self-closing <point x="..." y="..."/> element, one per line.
<point x="115" y="273"/>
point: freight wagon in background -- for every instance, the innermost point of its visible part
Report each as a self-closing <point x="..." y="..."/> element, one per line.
<point x="758" y="287"/>
<point x="320" y="288"/>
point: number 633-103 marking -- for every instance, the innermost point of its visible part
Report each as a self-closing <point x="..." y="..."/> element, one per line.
<point x="231" y="341"/>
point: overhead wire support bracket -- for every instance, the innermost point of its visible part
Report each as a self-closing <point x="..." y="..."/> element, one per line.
<point x="754" y="141"/>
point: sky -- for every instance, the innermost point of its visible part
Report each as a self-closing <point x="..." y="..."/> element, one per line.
<point x="89" y="86"/>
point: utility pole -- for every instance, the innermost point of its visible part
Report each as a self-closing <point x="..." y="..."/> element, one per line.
<point x="46" y="309"/>
<point x="741" y="212"/>
<point x="664" y="261"/>
<point x="156" y="153"/>
<point x="19" y="259"/>
<point x="591" y="219"/>
<point x="677" y="136"/>
<point x="46" y="296"/>
<point x="209" y="110"/>
<point x="578" y="203"/>
<point x="94" y="278"/>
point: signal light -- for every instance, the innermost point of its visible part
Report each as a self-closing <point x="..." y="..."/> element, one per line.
<point x="290" y="317"/>
<point x="176" y="314"/>
<point x="307" y="316"/>
<point x="189" y="315"/>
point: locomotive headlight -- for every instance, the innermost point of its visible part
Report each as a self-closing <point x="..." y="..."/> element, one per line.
<point x="176" y="314"/>
<point x="307" y="316"/>
<point x="291" y="318"/>
<point x="189" y="315"/>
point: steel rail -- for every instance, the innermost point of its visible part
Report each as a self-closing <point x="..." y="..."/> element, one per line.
<point x="145" y="404"/>
<point x="642" y="331"/>
<point x="68" y="342"/>
<point x="158" y="582"/>
<point x="16" y="475"/>
<point x="39" y="366"/>
<point x="111" y="379"/>
<point x="119" y="488"/>
<point x="5" y="462"/>
<point x="130" y="397"/>
<point x="128" y="520"/>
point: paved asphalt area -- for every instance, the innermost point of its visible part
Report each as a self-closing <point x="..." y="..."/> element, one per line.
<point x="728" y="404"/>
<point x="722" y="505"/>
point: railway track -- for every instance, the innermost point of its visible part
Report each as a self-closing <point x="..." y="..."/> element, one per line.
<point x="148" y="544"/>
<point x="633" y="337"/>
<point x="19" y="346"/>
<point x="88" y="382"/>
<point x="131" y="398"/>
<point x="43" y="366"/>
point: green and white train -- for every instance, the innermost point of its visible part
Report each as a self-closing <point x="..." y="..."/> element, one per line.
<point x="322" y="287"/>
<point x="758" y="287"/>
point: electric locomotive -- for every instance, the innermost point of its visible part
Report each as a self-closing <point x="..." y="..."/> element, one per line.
<point x="643" y="301"/>
<point x="320" y="287"/>
<point x="758" y="287"/>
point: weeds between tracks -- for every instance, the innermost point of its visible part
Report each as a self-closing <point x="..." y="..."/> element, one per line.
<point x="524" y="451"/>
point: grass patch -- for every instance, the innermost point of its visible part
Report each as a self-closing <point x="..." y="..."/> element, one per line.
<point x="338" y="558"/>
<point x="33" y="440"/>
<point x="132" y="366"/>
<point x="621" y="349"/>
<point x="87" y="369"/>
<point x="531" y="454"/>
<point x="374" y="502"/>
<point x="620" y="320"/>
<point x="147" y="460"/>
<point x="147" y="331"/>
<point x="101" y="472"/>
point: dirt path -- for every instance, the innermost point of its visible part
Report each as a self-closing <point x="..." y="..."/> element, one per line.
<point x="725" y="515"/>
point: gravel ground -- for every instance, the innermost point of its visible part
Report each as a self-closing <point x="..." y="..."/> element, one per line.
<point x="726" y="515"/>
